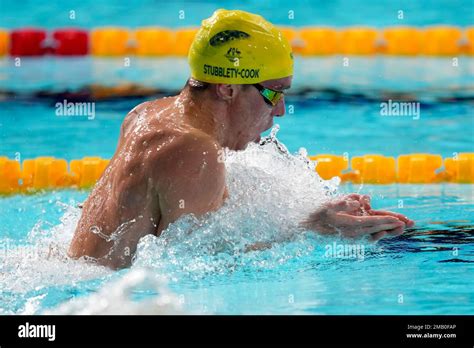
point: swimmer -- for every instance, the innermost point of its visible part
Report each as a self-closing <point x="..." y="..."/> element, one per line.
<point x="168" y="158"/>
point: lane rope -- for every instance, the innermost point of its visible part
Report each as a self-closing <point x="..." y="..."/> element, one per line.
<point x="45" y="173"/>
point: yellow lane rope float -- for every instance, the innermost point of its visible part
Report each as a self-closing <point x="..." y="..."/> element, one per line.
<point x="44" y="173"/>
<point x="438" y="40"/>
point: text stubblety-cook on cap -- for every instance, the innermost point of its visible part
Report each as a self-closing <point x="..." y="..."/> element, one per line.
<point x="239" y="47"/>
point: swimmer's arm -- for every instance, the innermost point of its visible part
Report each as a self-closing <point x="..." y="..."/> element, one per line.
<point x="128" y="121"/>
<point x="351" y="216"/>
<point x="191" y="178"/>
<point x="109" y="230"/>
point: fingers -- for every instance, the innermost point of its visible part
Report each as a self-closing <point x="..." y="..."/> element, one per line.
<point x="407" y="221"/>
<point x="382" y="227"/>
<point x="366" y="221"/>
<point x="357" y="226"/>
<point x="365" y="202"/>
<point x="354" y="196"/>
<point x="375" y="237"/>
<point x="345" y="205"/>
<point x="378" y="236"/>
<point x="396" y="232"/>
<point x="354" y="217"/>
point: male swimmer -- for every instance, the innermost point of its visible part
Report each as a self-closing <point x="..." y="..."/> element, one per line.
<point x="167" y="160"/>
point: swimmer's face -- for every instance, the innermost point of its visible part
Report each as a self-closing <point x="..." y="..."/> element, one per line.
<point x="253" y="115"/>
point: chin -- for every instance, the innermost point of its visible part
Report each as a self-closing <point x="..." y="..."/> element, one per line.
<point x="238" y="146"/>
<point x="243" y="144"/>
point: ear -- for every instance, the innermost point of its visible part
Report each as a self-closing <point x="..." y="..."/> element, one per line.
<point x="226" y="92"/>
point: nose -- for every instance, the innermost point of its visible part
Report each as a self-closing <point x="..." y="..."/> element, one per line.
<point x="279" y="109"/>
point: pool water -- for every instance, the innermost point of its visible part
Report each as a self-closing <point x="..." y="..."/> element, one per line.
<point x="304" y="13"/>
<point x="326" y="98"/>
<point x="428" y="270"/>
<point x="332" y="108"/>
<point x="203" y="267"/>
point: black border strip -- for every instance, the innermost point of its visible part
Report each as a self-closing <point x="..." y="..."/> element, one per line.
<point x="243" y="330"/>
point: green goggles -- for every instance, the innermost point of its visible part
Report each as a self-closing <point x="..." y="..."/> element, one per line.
<point x="270" y="96"/>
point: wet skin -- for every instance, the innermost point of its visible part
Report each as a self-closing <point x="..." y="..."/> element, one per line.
<point x="168" y="163"/>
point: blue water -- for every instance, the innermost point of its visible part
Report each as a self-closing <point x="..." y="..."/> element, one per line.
<point x="426" y="271"/>
<point x="167" y="13"/>
<point x="320" y="127"/>
<point x="430" y="267"/>
<point x="330" y="109"/>
<point x="334" y="109"/>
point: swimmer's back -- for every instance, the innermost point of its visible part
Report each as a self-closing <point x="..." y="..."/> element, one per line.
<point x="162" y="168"/>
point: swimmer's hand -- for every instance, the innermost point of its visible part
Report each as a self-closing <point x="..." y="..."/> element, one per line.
<point x="351" y="216"/>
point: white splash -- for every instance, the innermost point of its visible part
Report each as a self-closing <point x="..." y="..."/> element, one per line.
<point x="271" y="192"/>
<point x="44" y="261"/>
<point x="116" y="297"/>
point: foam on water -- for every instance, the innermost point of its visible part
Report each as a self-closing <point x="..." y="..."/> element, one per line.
<point x="28" y="267"/>
<point x="42" y="258"/>
<point x="117" y="297"/>
<point x="270" y="192"/>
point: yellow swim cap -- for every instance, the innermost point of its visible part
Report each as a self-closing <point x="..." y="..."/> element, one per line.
<point x="238" y="47"/>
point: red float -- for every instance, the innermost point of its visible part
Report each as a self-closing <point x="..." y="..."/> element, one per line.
<point x="27" y="42"/>
<point x="70" y="42"/>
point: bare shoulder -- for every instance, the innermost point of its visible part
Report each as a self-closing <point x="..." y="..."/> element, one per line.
<point x="144" y="110"/>
<point x="189" y="152"/>
<point x="137" y="110"/>
<point x="190" y="176"/>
